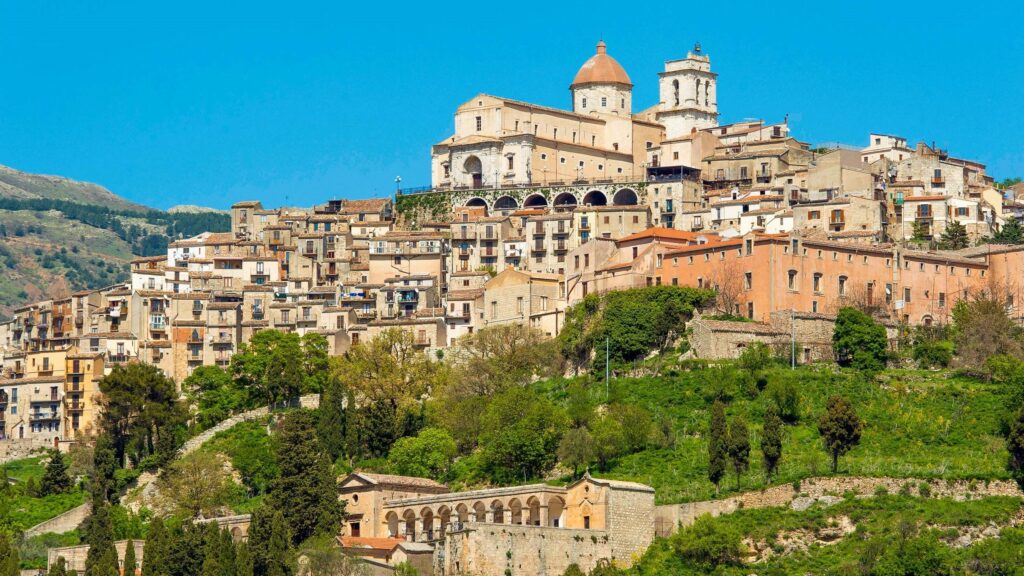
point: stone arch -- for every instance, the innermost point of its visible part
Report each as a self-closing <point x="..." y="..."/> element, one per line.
<point x="515" y="506"/>
<point x="427" y="522"/>
<point x="498" y="512"/>
<point x="392" y="521"/>
<point x="409" y="519"/>
<point x="556" y="512"/>
<point x="533" y="511"/>
<point x="625" y="197"/>
<point x="476" y="202"/>
<point x="474" y="169"/>
<point x="565" y="199"/>
<point x="535" y="201"/>
<point x="479" y="512"/>
<point x="506" y="203"/>
<point x="595" y="198"/>
<point x="927" y="320"/>
<point x="462" y="513"/>
<point x="236" y="534"/>
<point x="445" y="514"/>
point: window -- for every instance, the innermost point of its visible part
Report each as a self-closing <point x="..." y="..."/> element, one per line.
<point x="792" y="279"/>
<point x="554" y="133"/>
<point x="479" y="123"/>
<point x="842" y="285"/>
<point x="519" y="305"/>
<point x="749" y="246"/>
<point x="942" y="299"/>
<point x="814" y="215"/>
<point x="743" y="172"/>
<point x="604" y="101"/>
<point x="494" y="309"/>
<point x="906" y="295"/>
<point x="584" y="102"/>
<point x="511" y="162"/>
<point x="748" y="280"/>
<point x="817" y="281"/>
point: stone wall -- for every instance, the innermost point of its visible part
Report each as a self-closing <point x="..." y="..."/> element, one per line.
<point x="17" y="448"/>
<point x="66" y="522"/>
<point x="672" y="516"/>
<point x="74" y="556"/>
<point x="630" y="524"/>
<point x="502" y="550"/>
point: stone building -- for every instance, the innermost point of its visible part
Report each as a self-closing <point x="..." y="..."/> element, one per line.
<point x="532" y="529"/>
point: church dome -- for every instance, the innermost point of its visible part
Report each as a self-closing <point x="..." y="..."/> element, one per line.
<point x="601" y="69"/>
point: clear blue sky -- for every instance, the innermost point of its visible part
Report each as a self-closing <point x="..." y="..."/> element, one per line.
<point x="294" y="102"/>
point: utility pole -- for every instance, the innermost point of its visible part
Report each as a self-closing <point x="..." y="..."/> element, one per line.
<point x="792" y="339"/>
<point x="607" y="394"/>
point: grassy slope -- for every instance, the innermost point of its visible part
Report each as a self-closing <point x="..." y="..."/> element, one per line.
<point x="102" y="256"/>
<point x="881" y="516"/>
<point x="918" y="424"/>
<point x="19" y="511"/>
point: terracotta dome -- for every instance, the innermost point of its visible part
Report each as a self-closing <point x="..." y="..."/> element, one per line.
<point x="601" y="69"/>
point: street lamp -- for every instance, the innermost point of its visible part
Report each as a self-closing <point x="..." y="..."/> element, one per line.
<point x="398" y="184"/>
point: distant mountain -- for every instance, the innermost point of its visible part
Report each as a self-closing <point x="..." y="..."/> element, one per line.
<point x="18" y="184"/>
<point x="193" y="209"/>
<point x="59" y="235"/>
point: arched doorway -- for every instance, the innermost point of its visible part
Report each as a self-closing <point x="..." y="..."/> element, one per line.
<point x="479" y="512"/>
<point x="556" y="509"/>
<point x="445" y="514"/>
<point x="427" y="523"/>
<point x="533" y="515"/>
<point x="595" y="198"/>
<point x="498" y="511"/>
<point x="625" y="197"/>
<point x="409" y="517"/>
<point x="474" y="170"/>
<point x="535" y="201"/>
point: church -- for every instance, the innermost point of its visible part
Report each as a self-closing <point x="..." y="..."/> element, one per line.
<point x="504" y="143"/>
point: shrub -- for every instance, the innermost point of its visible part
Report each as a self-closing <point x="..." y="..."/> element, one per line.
<point x="710" y="544"/>
<point x="786" y="397"/>
<point x="936" y="354"/>
<point x="859" y="342"/>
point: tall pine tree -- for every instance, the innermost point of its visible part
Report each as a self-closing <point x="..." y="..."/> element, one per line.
<point x="717" y="444"/>
<point x="130" y="565"/>
<point x="331" y="421"/>
<point x="154" y="553"/>
<point x="739" y="447"/>
<point x="771" y="441"/>
<point x="306" y="490"/>
<point x="101" y="560"/>
<point x="226" y="552"/>
<point x="243" y="561"/>
<point x="270" y="543"/>
<point x="56" y="479"/>
<point x="59" y="567"/>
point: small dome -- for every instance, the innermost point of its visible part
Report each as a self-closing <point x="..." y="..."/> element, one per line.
<point x="601" y="69"/>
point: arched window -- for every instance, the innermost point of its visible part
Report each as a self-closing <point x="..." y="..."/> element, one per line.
<point x="675" y="91"/>
<point x="696" y="95"/>
<point x="707" y="93"/>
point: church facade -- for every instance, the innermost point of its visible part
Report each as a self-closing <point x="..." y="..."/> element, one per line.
<point x="505" y="143"/>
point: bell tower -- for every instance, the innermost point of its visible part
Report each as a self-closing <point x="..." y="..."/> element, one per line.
<point x="688" y="90"/>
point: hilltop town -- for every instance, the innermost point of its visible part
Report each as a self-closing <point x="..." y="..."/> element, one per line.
<point x="532" y="213"/>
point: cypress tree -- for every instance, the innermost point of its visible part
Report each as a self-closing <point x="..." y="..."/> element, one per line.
<point x="211" y="551"/>
<point x="227" y="554"/>
<point x="270" y="543"/>
<point x="739" y="447"/>
<point x="771" y="441"/>
<point x="331" y="421"/>
<point x="243" y="561"/>
<point x="59" y="568"/>
<point x="154" y="553"/>
<point x="130" y="565"/>
<point x="9" y="561"/>
<point x="101" y="559"/>
<point x="56" y="479"/>
<point x="717" y="453"/>
<point x="185" y="550"/>
<point x="305" y="490"/>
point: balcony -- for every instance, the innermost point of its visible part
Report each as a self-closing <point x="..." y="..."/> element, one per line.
<point x="924" y="215"/>
<point x="464" y="235"/>
<point x="157" y="322"/>
<point x="422" y="341"/>
<point x="538" y="230"/>
<point x="43" y="416"/>
<point x="119" y="358"/>
<point x="408" y="296"/>
<point x="561" y="246"/>
<point x="75" y="406"/>
<point x="73" y="386"/>
<point x="539" y="248"/>
<point x="764" y="177"/>
<point x="366" y="314"/>
<point x="938" y="181"/>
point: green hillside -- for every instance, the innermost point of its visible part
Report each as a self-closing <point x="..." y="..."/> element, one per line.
<point x="58" y="235"/>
